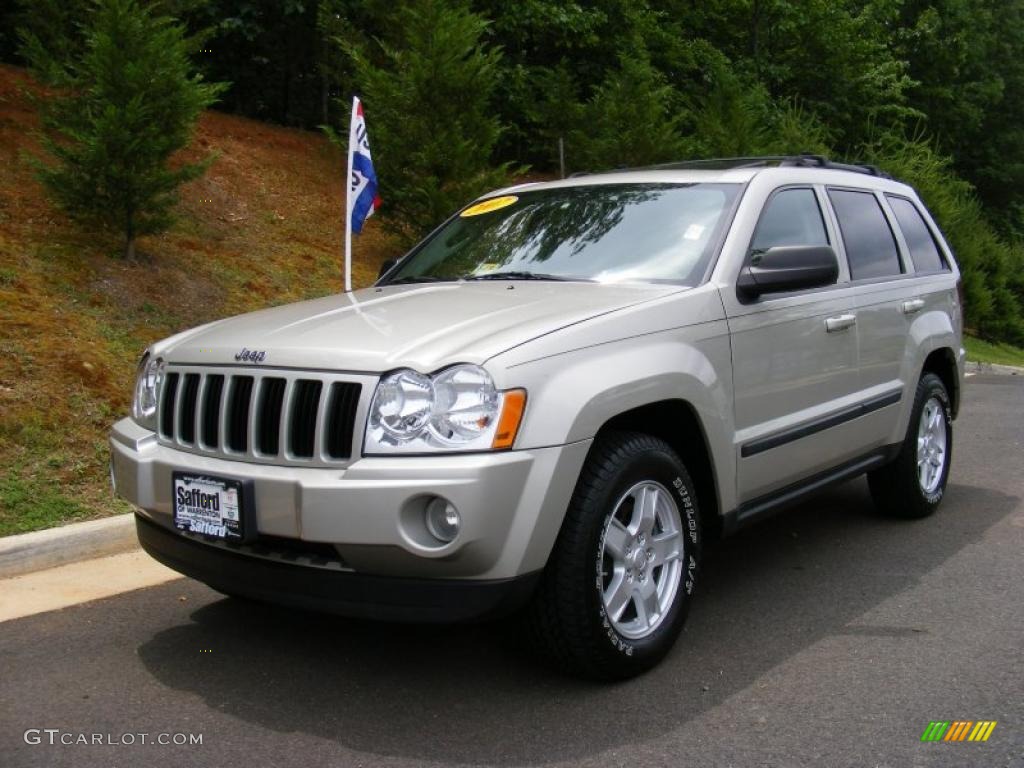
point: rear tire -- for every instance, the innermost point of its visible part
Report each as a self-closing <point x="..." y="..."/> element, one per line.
<point x="912" y="486"/>
<point x="617" y="588"/>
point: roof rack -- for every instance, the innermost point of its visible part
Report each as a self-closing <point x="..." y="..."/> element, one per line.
<point x="763" y="161"/>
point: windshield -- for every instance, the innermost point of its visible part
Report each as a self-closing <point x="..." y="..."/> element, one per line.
<point x="606" y="232"/>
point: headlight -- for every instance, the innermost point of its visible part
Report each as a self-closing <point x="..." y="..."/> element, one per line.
<point x="457" y="409"/>
<point x="403" y="405"/>
<point x="147" y="390"/>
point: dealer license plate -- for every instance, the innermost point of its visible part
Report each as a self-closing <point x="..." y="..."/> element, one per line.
<point x="209" y="506"/>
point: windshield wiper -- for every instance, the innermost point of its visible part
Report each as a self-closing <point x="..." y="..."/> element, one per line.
<point x="525" y="276"/>
<point x="418" y="279"/>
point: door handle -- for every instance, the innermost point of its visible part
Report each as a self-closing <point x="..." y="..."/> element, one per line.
<point x="912" y="306"/>
<point x="840" y="323"/>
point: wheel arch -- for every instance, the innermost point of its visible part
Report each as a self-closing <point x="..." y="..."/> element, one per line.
<point x="678" y="424"/>
<point x="942" y="362"/>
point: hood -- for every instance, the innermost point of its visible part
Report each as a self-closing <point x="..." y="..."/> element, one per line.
<point x="420" y="326"/>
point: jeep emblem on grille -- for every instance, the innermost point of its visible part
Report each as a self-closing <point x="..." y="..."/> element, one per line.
<point x="250" y="356"/>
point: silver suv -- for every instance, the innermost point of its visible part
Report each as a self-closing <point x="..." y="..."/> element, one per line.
<point x="550" y="402"/>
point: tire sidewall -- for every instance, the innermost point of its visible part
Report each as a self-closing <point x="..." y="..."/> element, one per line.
<point x="931" y="386"/>
<point x="665" y="469"/>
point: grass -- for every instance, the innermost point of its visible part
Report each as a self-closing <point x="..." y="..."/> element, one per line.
<point x="981" y="351"/>
<point x="262" y="227"/>
<point x="28" y="506"/>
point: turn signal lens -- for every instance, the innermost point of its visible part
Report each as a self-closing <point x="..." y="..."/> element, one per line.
<point x="513" y="403"/>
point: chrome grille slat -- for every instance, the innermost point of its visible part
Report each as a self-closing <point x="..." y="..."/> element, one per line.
<point x="319" y="446"/>
<point x="254" y="417"/>
<point x="197" y="418"/>
<point x="222" y="416"/>
<point x="282" y="417"/>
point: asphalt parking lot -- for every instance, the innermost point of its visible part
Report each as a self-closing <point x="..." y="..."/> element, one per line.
<point x="826" y="636"/>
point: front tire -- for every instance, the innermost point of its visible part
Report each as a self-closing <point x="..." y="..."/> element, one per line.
<point x="912" y="486"/>
<point x="617" y="587"/>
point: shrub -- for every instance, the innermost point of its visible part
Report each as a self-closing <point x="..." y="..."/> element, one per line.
<point x="127" y="101"/>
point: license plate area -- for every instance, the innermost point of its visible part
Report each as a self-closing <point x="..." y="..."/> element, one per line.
<point x="214" y="507"/>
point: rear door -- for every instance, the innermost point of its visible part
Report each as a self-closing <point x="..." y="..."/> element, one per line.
<point x="885" y="299"/>
<point x="792" y="375"/>
<point x="934" y="284"/>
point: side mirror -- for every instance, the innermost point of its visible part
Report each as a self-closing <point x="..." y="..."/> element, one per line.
<point x="787" y="268"/>
<point x="386" y="267"/>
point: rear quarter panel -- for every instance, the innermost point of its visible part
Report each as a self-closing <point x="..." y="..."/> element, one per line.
<point x="937" y="326"/>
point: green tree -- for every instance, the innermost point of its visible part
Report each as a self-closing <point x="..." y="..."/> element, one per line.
<point x="834" y="57"/>
<point x="738" y="119"/>
<point x="50" y="34"/>
<point x="427" y="91"/>
<point x="629" y="120"/>
<point x="731" y="119"/>
<point x="128" y="100"/>
<point x="967" y="58"/>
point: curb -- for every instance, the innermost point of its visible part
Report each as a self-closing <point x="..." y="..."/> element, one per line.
<point x="1006" y="370"/>
<point x="49" y="548"/>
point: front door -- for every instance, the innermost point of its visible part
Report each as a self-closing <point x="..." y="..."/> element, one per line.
<point x="795" y="361"/>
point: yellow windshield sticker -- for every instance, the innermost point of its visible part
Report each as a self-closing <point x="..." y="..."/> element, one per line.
<point x="486" y="206"/>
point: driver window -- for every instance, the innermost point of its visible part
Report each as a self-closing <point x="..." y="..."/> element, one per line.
<point x="791" y="217"/>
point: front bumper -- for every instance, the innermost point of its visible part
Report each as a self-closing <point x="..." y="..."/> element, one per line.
<point x="512" y="504"/>
<point x="351" y="594"/>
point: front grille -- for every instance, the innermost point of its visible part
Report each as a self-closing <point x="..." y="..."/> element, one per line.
<point x="268" y="433"/>
<point x="211" y="410"/>
<point x="238" y="413"/>
<point x="304" y="408"/>
<point x="341" y="414"/>
<point x="167" y="414"/>
<point x="270" y="416"/>
<point x="187" y="432"/>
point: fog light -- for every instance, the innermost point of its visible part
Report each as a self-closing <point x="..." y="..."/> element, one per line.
<point x="442" y="519"/>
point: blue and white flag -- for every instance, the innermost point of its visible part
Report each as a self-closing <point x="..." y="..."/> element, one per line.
<point x="362" y="199"/>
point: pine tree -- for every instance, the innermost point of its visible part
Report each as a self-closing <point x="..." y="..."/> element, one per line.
<point x="126" y="103"/>
<point x="432" y="128"/>
<point x="629" y="120"/>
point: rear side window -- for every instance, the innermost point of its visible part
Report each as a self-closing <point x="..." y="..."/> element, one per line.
<point x="924" y="252"/>
<point x="870" y="245"/>
<point x="791" y="217"/>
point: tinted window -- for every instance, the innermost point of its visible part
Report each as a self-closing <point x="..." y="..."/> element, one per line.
<point x="605" y="232"/>
<point x="870" y="245"/>
<point x="791" y="217"/>
<point x="923" y="250"/>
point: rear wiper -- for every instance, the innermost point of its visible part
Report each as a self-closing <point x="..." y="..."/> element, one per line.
<point x="524" y="276"/>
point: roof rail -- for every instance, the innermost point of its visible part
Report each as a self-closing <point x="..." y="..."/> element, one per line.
<point x="820" y="161"/>
<point x="763" y="161"/>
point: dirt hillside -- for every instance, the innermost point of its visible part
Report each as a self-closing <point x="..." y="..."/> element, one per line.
<point x="263" y="227"/>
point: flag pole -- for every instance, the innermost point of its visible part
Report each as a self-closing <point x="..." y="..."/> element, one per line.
<point x="348" y="202"/>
